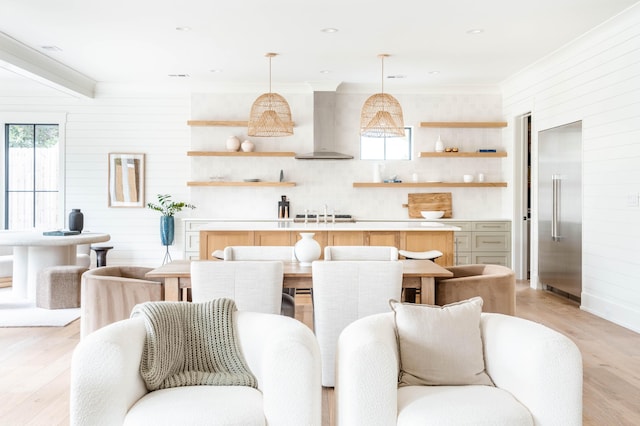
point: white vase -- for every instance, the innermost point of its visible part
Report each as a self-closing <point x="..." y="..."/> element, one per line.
<point x="247" y="146"/>
<point x="233" y="143"/>
<point x="307" y="249"/>
<point x="376" y="173"/>
<point x="439" y="145"/>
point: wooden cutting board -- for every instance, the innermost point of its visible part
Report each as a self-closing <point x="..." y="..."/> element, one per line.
<point x="429" y="201"/>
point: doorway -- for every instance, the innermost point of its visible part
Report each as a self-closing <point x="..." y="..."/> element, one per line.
<point x="522" y="197"/>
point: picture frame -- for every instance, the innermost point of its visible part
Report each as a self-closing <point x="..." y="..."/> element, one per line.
<point x="126" y="179"/>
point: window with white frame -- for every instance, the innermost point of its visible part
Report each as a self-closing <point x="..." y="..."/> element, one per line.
<point x="389" y="148"/>
<point x="32" y="168"/>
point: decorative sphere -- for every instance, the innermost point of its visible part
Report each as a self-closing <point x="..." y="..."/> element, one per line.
<point x="233" y="143"/>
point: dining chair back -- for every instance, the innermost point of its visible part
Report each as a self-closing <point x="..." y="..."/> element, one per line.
<point x="283" y="253"/>
<point x="346" y="291"/>
<point x="254" y="285"/>
<point x="360" y="253"/>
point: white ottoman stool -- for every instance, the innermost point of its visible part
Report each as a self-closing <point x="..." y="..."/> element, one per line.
<point x="59" y="287"/>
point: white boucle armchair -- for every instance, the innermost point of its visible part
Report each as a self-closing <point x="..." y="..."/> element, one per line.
<point x="537" y="372"/>
<point x="107" y="389"/>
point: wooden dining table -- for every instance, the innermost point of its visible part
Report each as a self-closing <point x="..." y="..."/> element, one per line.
<point x="416" y="274"/>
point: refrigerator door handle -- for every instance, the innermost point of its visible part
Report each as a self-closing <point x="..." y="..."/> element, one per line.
<point x="555" y="210"/>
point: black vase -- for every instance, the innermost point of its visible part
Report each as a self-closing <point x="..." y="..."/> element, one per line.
<point x="76" y="220"/>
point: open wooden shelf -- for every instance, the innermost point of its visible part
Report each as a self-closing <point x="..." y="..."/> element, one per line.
<point x="239" y="154"/>
<point x="263" y="184"/>
<point x="464" y="124"/>
<point x="429" y="184"/>
<point x="463" y="154"/>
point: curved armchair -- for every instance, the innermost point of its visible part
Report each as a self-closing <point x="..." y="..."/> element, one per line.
<point x="6" y="264"/>
<point x="496" y="285"/>
<point x="109" y="293"/>
<point x="107" y="389"/>
<point x="537" y="374"/>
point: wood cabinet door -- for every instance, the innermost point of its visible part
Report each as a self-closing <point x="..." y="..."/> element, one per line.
<point x="272" y="238"/>
<point x="345" y="238"/>
<point x="430" y="240"/>
<point x="218" y="240"/>
<point x="382" y="238"/>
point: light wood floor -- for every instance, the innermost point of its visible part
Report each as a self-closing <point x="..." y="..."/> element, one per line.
<point x="34" y="364"/>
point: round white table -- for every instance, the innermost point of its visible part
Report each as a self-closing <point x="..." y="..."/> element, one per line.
<point x="33" y="251"/>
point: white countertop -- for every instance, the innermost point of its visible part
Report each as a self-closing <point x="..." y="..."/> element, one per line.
<point x="289" y="225"/>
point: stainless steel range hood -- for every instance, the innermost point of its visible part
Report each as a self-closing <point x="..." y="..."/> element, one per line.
<point x="324" y="105"/>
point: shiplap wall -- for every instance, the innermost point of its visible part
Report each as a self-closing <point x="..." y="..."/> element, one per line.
<point x="596" y="79"/>
<point x="153" y="124"/>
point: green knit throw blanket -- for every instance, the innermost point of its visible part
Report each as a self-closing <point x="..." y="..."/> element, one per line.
<point x="191" y="344"/>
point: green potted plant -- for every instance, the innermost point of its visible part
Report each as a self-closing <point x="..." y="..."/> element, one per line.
<point x="168" y="208"/>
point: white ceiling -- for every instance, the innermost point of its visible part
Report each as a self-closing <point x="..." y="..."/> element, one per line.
<point x="136" y="41"/>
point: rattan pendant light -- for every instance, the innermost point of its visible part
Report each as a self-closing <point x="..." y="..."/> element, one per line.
<point x="270" y="113"/>
<point x="381" y="114"/>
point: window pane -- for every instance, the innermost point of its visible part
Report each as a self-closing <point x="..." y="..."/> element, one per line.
<point x="20" y="157"/>
<point x="20" y="215"/>
<point x="371" y="148"/>
<point x="47" y="210"/>
<point x="396" y="148"/>
<point x="47" y="158"/>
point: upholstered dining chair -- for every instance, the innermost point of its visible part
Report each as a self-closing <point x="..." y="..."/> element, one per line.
<point x="107" y="387"/>
<point x="345" y="291"/>
<point x="360" y="253"/>
<point x="254" y="285"/>
<point x="283" y="253"/>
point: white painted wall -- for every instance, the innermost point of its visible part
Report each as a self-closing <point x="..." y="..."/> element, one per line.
<point x="330" y="182"/>
<point x="153" y="124"/>
<point x="595" y="79"/>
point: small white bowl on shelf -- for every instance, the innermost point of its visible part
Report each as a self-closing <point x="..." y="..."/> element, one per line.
<point x="432" y="214"/>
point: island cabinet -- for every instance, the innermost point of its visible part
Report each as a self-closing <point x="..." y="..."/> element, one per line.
<point x="211" y="240"/>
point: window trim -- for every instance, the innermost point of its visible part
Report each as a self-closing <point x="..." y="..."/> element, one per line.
<point x="36" y="118"/>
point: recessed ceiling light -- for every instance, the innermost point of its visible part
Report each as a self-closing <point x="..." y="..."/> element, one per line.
<point x="325" y="72"/>
<point x="179" y="75"/>
<point x="51" y="48"/>
<point x="475" y="31"/>
<point x="434" y="72"/>
<point x="329" y="30"/>
<point x="183" y="28"/>
<point x="216" y="70"/>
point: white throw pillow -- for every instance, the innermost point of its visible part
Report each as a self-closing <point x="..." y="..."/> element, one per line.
<point x="440" y="345"/>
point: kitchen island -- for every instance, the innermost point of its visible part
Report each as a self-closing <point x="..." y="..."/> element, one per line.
<point x="412" y="235"/>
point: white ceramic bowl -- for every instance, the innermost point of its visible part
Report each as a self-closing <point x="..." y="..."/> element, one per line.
<point x="467" y="178"/>
<point x="432" y="214"/>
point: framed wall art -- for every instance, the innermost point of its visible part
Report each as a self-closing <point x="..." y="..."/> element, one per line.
<point x="126" y="180"/>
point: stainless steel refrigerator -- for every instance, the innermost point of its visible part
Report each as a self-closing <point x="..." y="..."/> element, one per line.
<point x="560" y="208"/>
